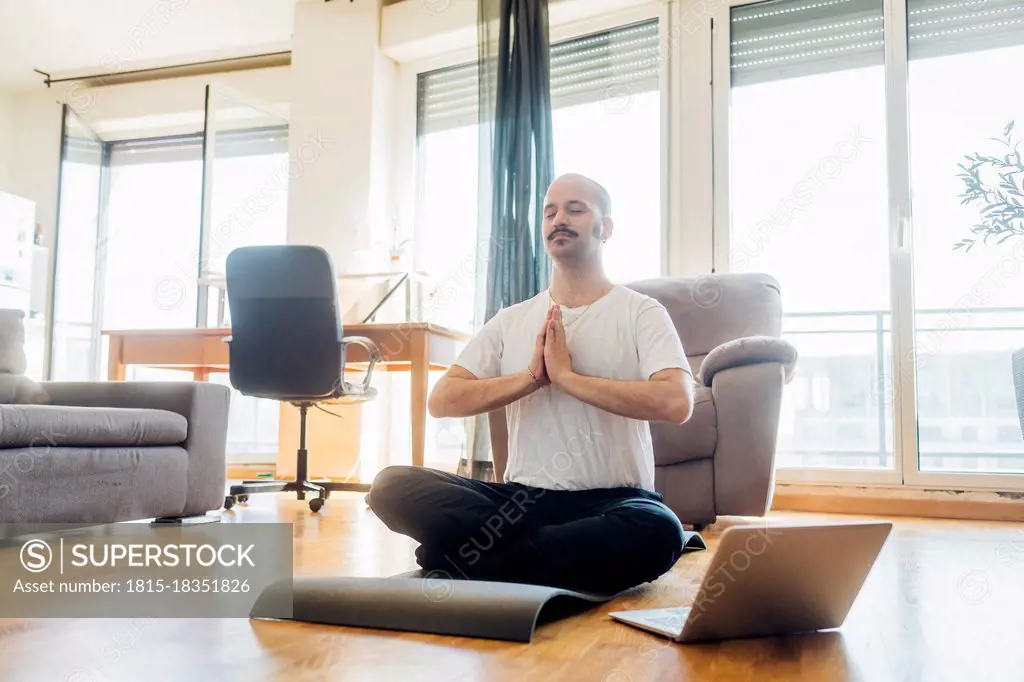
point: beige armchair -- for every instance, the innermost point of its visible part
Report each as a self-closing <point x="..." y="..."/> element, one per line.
<point x="722" y="461"/>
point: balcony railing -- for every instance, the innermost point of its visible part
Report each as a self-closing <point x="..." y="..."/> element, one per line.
<point x="839" y="409"/>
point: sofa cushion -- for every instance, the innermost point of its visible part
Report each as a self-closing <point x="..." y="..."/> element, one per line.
<point x="40" y="426"/>
<point x="91" y="485"/>
<point x="694" y="439"/>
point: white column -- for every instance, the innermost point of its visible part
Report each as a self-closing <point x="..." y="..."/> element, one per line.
<point x="340" y="131"/>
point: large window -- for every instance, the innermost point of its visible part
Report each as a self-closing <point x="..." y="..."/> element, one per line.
<point x="808" y="193"/>
<point x="152" y="256"/>
<point x="606" y="124"/>
<point x="149" y="280"/>
<point x="129" y="246"/>
<point x="861" y="152"/>
<point x="969" y="302"/>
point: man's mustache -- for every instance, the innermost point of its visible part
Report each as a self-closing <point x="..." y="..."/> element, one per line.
<point x="561" y="230"/>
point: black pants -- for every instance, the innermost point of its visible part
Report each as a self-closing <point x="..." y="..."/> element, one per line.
<point x="603" y="540"/>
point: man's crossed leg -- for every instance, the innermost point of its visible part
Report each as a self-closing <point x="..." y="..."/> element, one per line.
<point x="603" y="540"/>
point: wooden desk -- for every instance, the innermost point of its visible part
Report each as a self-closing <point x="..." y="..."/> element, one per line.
<point x="416" y="347"/>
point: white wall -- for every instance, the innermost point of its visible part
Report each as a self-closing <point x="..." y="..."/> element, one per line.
<point x="6" y="140"/>
<point x="35" y="154"/>
<point x="340" y="194"/>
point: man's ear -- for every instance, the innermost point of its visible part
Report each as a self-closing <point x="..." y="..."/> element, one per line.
<point x="607" y="227"/>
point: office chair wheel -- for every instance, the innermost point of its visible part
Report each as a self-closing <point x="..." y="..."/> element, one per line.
<point x="229" y="502"/>
<point x="315" y="504"/>
<point x="242" y="499"/>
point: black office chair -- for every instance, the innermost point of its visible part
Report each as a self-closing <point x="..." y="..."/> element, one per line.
<point x="287" y="344"/>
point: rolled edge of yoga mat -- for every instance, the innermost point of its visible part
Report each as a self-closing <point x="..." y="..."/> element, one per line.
<point x="467" y="608"/>
<point x="693" y="541"/>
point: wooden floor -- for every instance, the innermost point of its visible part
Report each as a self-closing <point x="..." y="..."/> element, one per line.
<point x="944" y="602"/>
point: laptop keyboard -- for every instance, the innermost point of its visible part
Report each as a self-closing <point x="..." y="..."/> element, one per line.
<point x="670" y="619"/>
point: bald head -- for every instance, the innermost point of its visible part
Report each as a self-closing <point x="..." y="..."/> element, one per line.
<point x="597" y="194"/>
<point x="577" y="220"/>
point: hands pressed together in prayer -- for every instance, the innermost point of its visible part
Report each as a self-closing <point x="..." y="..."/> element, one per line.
<point x="551" y="362"/>
<point x="664" y="396"/>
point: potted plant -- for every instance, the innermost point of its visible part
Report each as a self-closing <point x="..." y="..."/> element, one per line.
<point x="996" y="184"/>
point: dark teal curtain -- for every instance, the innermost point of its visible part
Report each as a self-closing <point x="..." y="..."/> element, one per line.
<point x="516" y="165"/>
<point x="515" y="113"/>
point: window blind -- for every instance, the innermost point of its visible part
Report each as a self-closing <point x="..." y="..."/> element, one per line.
<point x="83" y="150"/>
<point x="585" y="69"/>
<point x="938" y="28"/>
<point x="596" y="67"/>
<point x="792" y="38"/>
<point x="157" y="150"/>
<point x="233" y="143"/>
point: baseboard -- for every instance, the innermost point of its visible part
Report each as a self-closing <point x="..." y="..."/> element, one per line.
<point x="250" y="471"/>
<point x="939" y="504"/>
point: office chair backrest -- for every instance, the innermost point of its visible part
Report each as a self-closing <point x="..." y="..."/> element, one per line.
<point x="285" y="326"/>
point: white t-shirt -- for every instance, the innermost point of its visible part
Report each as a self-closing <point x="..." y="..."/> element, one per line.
<point x="555" y="440"/>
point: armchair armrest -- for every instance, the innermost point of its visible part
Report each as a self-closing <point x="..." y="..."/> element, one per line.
<point x="749" y="350"/>
<point x="204" y="405"/>
<point x="748" y="404"/>
<point x="182" y="397"/>
<point x="364" y="389"/>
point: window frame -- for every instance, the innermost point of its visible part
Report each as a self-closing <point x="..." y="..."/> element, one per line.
<point x="170" y="145"/>
<point x="906" y="473"/>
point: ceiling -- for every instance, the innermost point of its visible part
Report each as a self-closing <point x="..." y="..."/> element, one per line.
<point x="79" y="37"/>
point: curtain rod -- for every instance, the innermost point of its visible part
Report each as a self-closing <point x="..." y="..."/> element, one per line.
<point x="256" y="61"/>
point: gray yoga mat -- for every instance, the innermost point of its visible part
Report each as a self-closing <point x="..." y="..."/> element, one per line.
<point x="429" y="602"/>
<point x="466" y="608"/>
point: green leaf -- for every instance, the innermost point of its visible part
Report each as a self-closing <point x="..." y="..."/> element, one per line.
<point x="1009" y="127"/>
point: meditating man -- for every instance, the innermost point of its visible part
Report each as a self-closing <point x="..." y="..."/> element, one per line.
<point x="570" y="379"/>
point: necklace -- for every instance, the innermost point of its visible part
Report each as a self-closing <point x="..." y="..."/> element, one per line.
<point x="575" y="319"/>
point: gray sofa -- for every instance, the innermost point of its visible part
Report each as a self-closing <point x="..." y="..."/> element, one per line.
<point x="103" y="452"/>
<point x="722" y="461"/>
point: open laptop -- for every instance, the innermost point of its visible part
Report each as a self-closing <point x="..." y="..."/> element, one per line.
<point x="767" y="580"/>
